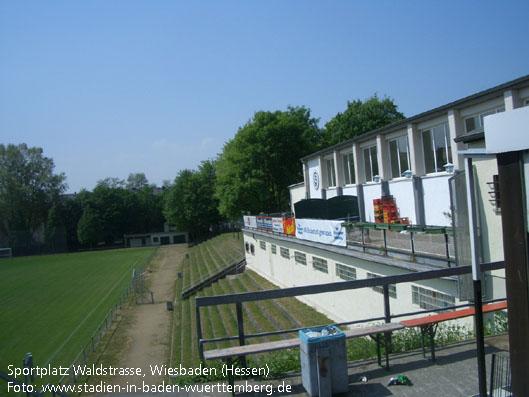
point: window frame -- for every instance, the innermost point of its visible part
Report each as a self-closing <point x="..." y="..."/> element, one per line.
<point x="347" y="271"/>
<point x="371" y="168"/>
<point x="432" y="146"/>
<point x="320" y="264"/>
<point x="262" y="245"/>
<point x="349" y="178"/>
<point x="478" y="119"/>
<point x="331" y="172"/>
<point x="401" y="171"/>
<point x="273" y="249"/>
<point x="284" y="252"/>
<point x="434" y="296"/>
<point x="300" y="257"/>
<point x="392" y="288"/>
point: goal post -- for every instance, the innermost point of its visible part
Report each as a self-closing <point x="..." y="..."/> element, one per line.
<point x="5" y="253"/>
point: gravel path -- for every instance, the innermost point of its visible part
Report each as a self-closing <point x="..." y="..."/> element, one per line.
<point x="148" y="339"/>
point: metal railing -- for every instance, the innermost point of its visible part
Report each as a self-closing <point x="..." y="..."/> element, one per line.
<point x="500" y="375"/>
<point x="416" y="245"/>
<point x="240" y="298"/>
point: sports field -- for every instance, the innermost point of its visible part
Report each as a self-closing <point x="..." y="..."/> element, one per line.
<point x="50" y="305"/>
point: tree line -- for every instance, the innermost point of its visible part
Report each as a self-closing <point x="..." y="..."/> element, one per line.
<point x="252" y="173"/>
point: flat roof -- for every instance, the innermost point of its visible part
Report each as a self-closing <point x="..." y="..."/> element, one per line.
<point x="429" y="114"/>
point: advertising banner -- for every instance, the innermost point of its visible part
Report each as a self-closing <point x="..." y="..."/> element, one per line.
<point x="264" y="223"/>
<point x="321" y="231"/>
<point x="289" y="226"/>
<point x="277" y="225"/>
<point x="250" y="221"/>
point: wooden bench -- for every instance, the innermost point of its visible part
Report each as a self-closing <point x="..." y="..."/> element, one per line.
<point x="232" y="354"/>
<point x="428" y="324"/>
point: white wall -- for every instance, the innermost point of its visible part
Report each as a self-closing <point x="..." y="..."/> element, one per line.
<point x="371" y="191"/>
<point x="339" y="306"/>
<point x="402" y="191"/>
<point x="331" y="192"/>
<point x="436" y="199"/>
<point x="297" y="193"/>
<point x="349" y="190"/>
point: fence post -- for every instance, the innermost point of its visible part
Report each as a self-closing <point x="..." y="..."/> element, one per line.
<point x="363" y="240"/>
<point x="412" y="244"/>
<point x="385" y="242"/>
<point x="240" y="326"/>
<point x="199" y="332"/>
<point x="447" y="250"/>
<point x="387" y="315"/>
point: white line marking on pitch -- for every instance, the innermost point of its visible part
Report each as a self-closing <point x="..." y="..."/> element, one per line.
<point x="89" y="314"/>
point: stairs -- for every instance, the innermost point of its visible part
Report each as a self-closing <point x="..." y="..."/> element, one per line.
<point x="234" y="268"/>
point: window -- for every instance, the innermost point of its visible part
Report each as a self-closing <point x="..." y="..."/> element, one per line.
<point x="429" y="299"/>
<point x="436" y="145"/>
<point x="252" y="249"/>
<point x="319" y="264"/>
<point x="284" y="252"/>
<point x="155" y="239"/>
<point x="398" y="153"/>
<point x="476" y="122"/>
<point x="331" y="174"/>
<point x="348" y="169"/>
<point x="300" y="258"/>
<point x="392" y="288"/>
<point x="273" y="248"/>
<point x="370" y="162"/>
<point x="345" y="272"/>
<point x="526" y="102"/>
<point x="262" y="244"/>
<point x="247" y="247"/>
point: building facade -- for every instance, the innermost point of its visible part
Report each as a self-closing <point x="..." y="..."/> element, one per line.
<point x="419" y="161"/>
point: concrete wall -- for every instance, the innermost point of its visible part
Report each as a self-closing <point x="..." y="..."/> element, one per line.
<point x="331" y="192"/>
<point x="371" y="191"/>
<point x="339" y="306"/>
<point x="349" y="190"/>
<point x="297" y="193"/>
<point x="402" y="191"/>
<point x="436" y="199"/>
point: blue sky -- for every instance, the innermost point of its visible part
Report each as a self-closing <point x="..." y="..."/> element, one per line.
<point x="112" y="87"/>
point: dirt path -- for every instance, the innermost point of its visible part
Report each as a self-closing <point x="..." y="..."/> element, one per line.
<point x="148" y="338"/>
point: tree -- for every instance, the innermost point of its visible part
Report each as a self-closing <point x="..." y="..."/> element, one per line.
<point x="190" y="203"/>
<point x="89" y="229"/>
<point x="137" y="181"/>
<point x="359" y="118"/>
<point x="28" y="189"/>
<point x="256" y="167"/>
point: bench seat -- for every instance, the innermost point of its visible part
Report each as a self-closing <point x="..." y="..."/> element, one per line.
<point x="237" y="351"/>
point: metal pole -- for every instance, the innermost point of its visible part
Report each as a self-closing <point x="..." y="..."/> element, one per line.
<point x="387" y="315"/>
<point x="199" y="332"/>
<point x="240" y="326"/>
<point x="476" y="276"/>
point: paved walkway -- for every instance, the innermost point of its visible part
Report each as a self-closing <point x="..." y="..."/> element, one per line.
<point x="454" y="374"/>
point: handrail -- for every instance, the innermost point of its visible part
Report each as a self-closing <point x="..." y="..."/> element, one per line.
<point x="340" y="285"/>
<point x="239" y="298"/>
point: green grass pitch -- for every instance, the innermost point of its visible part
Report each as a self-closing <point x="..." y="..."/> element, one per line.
<point x="50" y="305"/>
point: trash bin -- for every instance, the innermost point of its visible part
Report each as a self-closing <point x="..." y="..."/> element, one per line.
<point x="323" y="361"/>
